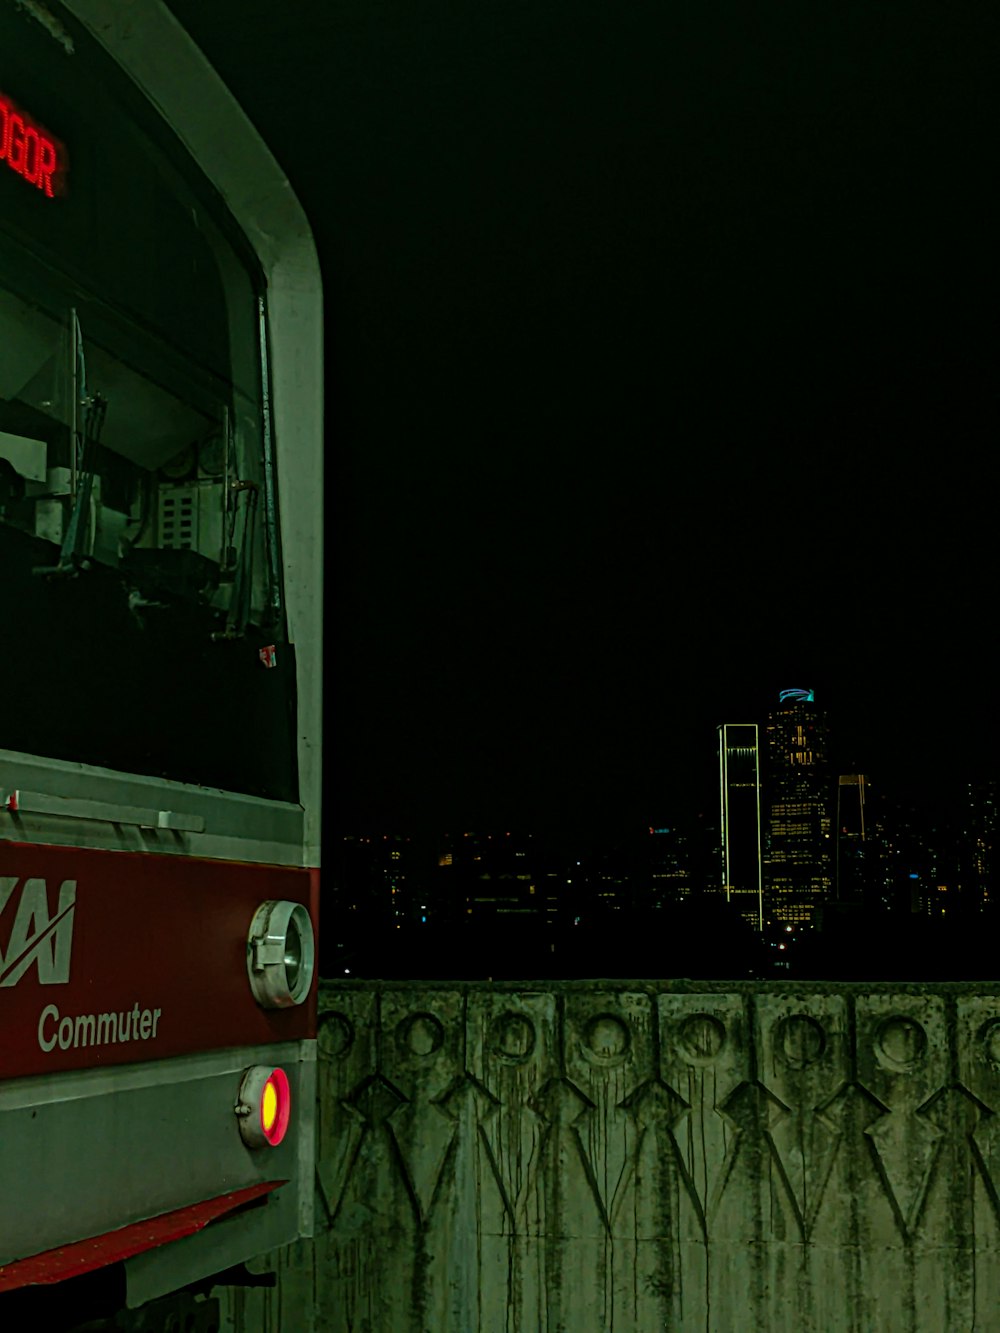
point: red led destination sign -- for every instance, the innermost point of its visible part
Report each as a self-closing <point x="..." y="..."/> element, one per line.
<point x="30" y="150"/>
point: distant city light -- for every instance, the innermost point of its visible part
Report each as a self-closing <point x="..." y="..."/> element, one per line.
<point x="796" y="696"/>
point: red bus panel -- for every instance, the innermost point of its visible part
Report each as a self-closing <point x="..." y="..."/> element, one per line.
<point x="109" y="958"/>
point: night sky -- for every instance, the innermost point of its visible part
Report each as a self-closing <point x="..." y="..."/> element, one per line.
<point x="662" y="375"/>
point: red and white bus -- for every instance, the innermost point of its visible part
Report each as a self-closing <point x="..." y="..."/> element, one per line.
<point x="160" y="579"/>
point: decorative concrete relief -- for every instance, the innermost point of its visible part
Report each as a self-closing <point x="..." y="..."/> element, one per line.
<point x="657" y="1109"/>
<point x="907" y="1145"/>
<point x="346" y="1041"/>
<point x="801" y="1041"/>
<point x="472" y="1108"/>
<point x="609" y="1052"/>
<point x="627" y="1158"/>
<point x="901" y="1043"/>
<point x="512" y="1037"/>
<point x="704" y="1060"/>
<point x="803" y="1063"/>
<point x="700" y="1038"/>
<point x="563" y="1107"/>
<point x="511" y="1040"/>
<point x="902" y="1060"/>
<point x="373" y="1102"/>
<point x="606" y="1040"/>
<point x="513" y="1044"/>
<point x="365" y="1167"/>
<point x="423" y="1055"/>
<point x="978" y="1031"/>
<point x="419" y="1035"/>
<point x="336" y="1035"/>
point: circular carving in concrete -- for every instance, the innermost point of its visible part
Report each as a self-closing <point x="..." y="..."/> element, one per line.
<point x="801" y="1040"/>
<point x="606" y="1038"/>
<point x="512" y="1037"/>
<point x="990" y="1035"/>
<point x="901" y="1041"/>
<point x="336" y="1034"/>
<point x="701" y="1038"/>
<point x="420" y="1034"/>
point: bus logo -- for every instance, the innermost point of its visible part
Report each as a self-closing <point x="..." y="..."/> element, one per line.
<point x="36" y="938"/>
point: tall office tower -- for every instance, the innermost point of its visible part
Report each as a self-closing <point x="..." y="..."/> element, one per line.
<point x="668" y="866"/>
<point x="799" y="855"/>
<point x="739" y="795"/>
<point x="980" y="851"/>
<point x="851" y="884"/>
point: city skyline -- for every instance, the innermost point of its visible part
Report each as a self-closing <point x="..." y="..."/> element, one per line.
<point x="790" y="835"/>
<point x="800" y="869"/>
<point x="941" y="794"/>
<point x="921" y="904"/>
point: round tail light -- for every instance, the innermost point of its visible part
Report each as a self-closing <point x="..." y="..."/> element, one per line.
<point x="264" y="1106"/>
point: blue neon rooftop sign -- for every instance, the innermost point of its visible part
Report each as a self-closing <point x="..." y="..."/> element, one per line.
<point x="796" y="696"/>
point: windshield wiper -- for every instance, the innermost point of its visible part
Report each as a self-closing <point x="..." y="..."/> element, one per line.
<point x="72" y="556"/>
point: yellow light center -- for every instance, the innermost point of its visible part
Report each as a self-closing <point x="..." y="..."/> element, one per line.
<point x="269" y="1106"/>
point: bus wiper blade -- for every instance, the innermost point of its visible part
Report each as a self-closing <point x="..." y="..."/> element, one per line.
<point x="72" y="558"/>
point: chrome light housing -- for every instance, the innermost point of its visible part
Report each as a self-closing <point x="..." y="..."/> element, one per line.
<point x="281" y="954"/>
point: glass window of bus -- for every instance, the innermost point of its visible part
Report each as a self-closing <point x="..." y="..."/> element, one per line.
<point x="138" y="536"/>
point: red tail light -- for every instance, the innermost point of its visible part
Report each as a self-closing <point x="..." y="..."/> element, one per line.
<point x="264" y="1106"/>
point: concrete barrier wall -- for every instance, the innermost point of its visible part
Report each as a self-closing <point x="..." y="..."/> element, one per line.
<point x="614" y="1156"/>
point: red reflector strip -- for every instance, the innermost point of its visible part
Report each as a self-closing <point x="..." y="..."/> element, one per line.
<point x="83" y="1256"/>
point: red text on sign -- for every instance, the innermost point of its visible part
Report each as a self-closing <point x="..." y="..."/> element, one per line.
<point x="28" y="149"/>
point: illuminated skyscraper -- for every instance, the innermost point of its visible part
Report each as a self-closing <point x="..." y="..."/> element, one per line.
<point x="981" y="843"/>
<point x="852" y="836"/>
<point x="799" y="857"/>
<point x="739" y="794"/>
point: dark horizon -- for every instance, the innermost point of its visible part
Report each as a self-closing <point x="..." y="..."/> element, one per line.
<point x="938" y="793"/>
<point x="662" y="356"/>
